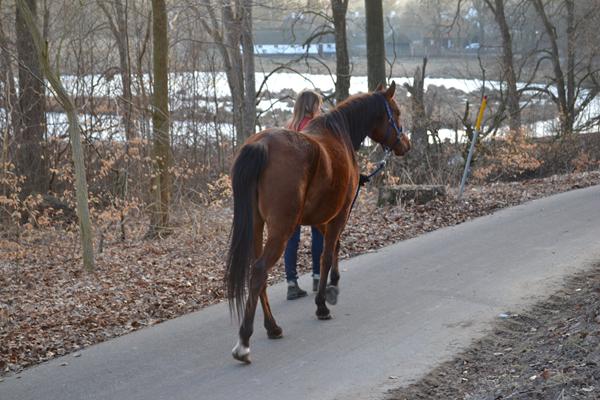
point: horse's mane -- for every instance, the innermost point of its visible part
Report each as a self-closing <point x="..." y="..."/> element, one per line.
<point x="354" y="118"/>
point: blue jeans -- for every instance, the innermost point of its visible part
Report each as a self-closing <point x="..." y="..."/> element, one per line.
<point x="290" y="256"/>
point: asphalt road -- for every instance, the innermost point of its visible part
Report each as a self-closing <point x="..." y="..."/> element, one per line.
<point x="401" y="311"/>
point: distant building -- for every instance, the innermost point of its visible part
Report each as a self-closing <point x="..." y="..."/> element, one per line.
<point x="290" y="39"/>
<point x="294" y="49"/>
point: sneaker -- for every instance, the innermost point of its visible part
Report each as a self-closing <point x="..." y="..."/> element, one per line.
<point x="294" y="292"/>
<point x="315" y="284"/>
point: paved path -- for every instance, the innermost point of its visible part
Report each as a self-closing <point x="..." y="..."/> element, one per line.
<point x="401" y="310"/>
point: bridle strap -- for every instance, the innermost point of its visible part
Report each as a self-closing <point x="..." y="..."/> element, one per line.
<point x="391" y="124"/>
<point x="387" y="149"/>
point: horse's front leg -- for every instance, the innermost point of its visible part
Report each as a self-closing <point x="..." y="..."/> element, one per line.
<point x="332" y="290"/>
<point x="273" y="330"/>
<point x="329" y="263"/>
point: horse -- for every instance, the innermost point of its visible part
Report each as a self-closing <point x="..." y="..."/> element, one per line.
<point x="283" y="178"/>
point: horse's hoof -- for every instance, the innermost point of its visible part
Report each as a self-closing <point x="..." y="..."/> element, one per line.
<point x="331" y="294"/>
<point x="241" y="353"/>
<point x="275" y="334"/>
<point x="323" y="313"/>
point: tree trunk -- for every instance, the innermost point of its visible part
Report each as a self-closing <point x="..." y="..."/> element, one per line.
<point x="83" y="213"/>
<point x="481" y="22"/>
<point x="249" y="72"/>
<point x="31" y="160"/>
<point x="418" y="115"/>
<point x="161" y="187"/>
<point x="234" y="66"/>
<point x="514" y="110"/>
<point x="375" y="43"/>
<point x="232" y="33"/>
<point x="512" y="96"/>
<point x="10" y="92"/>
<point x="342" y="62"/>
<point x="565" y="113"/>
<point x="571" y="43"/>
<point x="118" y="27"/>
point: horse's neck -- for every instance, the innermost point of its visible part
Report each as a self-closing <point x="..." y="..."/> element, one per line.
<point x="358" y="132"/>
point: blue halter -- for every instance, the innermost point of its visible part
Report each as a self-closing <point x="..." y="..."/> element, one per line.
<point x="391" y="124"/>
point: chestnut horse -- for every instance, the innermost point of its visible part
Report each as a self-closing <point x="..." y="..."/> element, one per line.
<point x="283" y="179"/>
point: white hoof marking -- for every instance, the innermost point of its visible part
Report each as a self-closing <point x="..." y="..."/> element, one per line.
<point x="240" y="351"/>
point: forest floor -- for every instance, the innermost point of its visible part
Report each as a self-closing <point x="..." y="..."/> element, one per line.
<point x="50" y="307"/>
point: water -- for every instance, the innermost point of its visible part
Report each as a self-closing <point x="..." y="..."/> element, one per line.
<point x="208" y="92"/>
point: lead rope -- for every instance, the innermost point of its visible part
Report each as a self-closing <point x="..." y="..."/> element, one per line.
<point x="380" y="166"/>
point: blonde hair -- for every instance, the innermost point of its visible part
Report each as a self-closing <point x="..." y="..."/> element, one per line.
<point x="307" y="104"/>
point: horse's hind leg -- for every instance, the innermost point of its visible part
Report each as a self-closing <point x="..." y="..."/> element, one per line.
<point x="258" y="280"/>
<point x="329" y="263"/>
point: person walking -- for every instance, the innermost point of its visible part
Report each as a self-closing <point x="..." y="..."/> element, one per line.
<point x="307" y="106"/>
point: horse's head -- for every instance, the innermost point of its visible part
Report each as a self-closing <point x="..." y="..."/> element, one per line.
<point x="388" y="132"/>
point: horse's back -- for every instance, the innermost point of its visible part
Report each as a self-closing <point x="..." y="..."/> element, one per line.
<point x="289" y="168"/>
<point x="306" y="176"/>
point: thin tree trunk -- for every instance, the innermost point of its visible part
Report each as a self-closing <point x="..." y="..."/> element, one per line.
<point x="31" y="160"/>
<point x="479" y="7"/>
<point x="232" y="33"/>
<point x="417" y="101"/>
<point x="375" y="43"/>
<point x="514" y="110"/>
<point x="342" y="62"/>
<point x="125" y="66"/>
<point x="118" y="27"/>
<point x="8" y="82"/>
<point x="512" y="96"/>
<point x="160" y="120"/>
<point x="571" y="95"/>
<point x="63" y="98"/>
<point x="233" y="64"/>
<point x="249" y="71"/>
<point x="565" y="113"/>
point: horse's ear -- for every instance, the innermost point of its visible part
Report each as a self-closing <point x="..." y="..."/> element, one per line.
<point x="379" y="87"/>
<point x="389" y="93"/>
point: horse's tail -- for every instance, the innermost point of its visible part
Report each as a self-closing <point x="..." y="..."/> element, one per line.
<point x="246" y="170"/>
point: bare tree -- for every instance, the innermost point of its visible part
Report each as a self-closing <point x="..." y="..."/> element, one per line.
<point x="41" y="51"/>
<point x="580" y="71"/>
<point x="116" y="14"/>
<point x="508" y="67"/>
<point x="8" y="83"/>
<point x="31" y="160"/>
<point x="419" y="116"/>
<point x="232" y="33"/>
<point x="161" y="187"/>
<point x="480" y="7"/>
<point x="342" y="61"/>
<point x="375" y="43"/>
